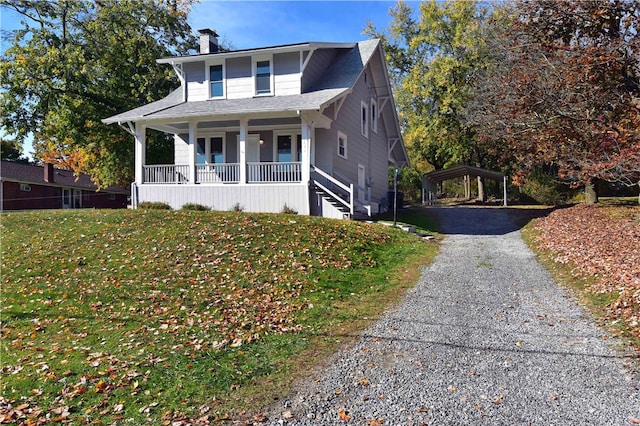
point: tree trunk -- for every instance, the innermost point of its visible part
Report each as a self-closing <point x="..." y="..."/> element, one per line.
<point x="481" y="194"/>
<point x="590" y="193"/>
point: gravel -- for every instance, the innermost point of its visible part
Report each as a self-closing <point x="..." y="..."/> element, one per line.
<point x="485" y="337"/>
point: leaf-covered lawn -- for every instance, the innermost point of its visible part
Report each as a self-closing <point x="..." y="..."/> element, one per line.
<point x="149" y="316"/>
<point x="601" y="244"/>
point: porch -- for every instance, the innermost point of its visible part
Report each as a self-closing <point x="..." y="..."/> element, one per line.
<point x="224" y="173"/>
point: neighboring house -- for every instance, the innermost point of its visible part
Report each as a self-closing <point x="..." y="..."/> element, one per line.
<point x="312" y="126"/>
<point x="28" y="187"/>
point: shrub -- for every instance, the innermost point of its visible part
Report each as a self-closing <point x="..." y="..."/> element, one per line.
<point x="154" y="205"/>
<point x="544" y="189"/>
<point x="288" y="210"/>
<point x="194" y="206"/>
<point x="237" y="207"/>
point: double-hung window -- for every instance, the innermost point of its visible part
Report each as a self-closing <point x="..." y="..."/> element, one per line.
<point x="342" y="145"/>
<point x="264" y="77"/>
<point x="364" y="119"/>
<point x="374" y="115"/>
<point x="210" y="150"/>
<point x="216" y="81"/>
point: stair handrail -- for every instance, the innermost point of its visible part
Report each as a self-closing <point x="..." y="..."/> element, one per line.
<point x="348" y="189"/>
<point x="331" y="179"/>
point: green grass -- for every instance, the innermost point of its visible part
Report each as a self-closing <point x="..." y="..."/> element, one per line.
<point x="415" y="216"/>
<point x="151" y="316"/>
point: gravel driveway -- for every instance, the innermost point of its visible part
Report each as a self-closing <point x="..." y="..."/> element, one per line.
<point x="485" y="337"/>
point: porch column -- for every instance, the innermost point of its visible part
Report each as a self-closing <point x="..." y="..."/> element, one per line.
<point x="140" y="152"/>
<point x="305" y="155"/>
<point x="242" y="154"/>
<point x="192" y="151"/>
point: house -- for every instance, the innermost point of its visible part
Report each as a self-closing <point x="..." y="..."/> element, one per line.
<point x="311" y="126"/>
<point x="27" y="187"/>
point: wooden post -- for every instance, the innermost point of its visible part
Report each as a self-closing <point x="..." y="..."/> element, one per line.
<point x="193" y="151"/>
<point x="305" y="156"/>
<point x="504" y="185"/>
<point x="242" y="154"/>
<point x="140" y="151"/>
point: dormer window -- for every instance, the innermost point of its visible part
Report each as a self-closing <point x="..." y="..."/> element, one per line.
<point x="263" y="76"/>
<point x="216" y="81"/>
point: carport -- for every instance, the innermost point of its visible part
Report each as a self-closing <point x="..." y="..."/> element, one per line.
<point x="430" y="180"/>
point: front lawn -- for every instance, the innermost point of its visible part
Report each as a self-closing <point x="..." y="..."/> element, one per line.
<point x="162" y="316"/>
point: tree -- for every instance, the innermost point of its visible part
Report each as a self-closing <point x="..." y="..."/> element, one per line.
<point x="11" y="151"/>
<point x="75" y="62"/>
<point x="563" y="92"/>
<point x="435" y="61"/>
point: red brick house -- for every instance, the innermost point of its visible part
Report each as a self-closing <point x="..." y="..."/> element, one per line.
<point x="29" y="187"/>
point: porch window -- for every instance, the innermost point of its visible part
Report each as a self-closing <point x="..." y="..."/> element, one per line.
<point x="217" y="150"/>
<point x="263" y="77"/>
<point x="216" y="80"/>
<point x="374" y="115"/>
<point x="201" y="155"/>
<point x="284" y="149"/>
<point x="211" y="152"/>
<point x="342" y="145"/>
<point x="364" y="119"/>
<point x="299" y="147"/>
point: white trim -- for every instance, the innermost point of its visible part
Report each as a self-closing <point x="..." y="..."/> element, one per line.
<point x="374" y="115"/>
<point x="254" y="74"/>
<point x="342" y="136"/>
<point x="207" y="71"/>
<point x="364" y="119"/>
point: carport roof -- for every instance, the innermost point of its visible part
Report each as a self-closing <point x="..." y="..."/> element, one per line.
<point x="463" y="170"/>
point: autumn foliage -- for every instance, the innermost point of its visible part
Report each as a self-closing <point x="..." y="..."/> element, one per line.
<point x="600" y="244"/>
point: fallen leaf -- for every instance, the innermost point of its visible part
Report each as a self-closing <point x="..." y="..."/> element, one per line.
<point x="344" y="416"/>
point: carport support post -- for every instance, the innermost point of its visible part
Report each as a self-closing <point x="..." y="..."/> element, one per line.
<point x="395" y="195"/>
<point x="504" y="186"/>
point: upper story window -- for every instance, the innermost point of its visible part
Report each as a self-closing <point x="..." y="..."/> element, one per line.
<point x="216" y="81"/>
<point x="374" y="115"/>
<point x="264" y="77"/>
<point x="364" y="119"/>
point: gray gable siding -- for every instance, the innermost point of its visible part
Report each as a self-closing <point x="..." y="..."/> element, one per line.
<point x="319" y="62"/>
<point x="238" y="67"/>
<point x="286" y="63"/>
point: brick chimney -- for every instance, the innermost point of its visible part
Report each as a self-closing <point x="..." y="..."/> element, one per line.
<point x="48" y="173"/>
<point x="208" y="41"/>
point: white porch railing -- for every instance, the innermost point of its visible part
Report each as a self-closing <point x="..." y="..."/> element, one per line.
<point x="218" y="173"/>
<point x="289" y="172"/>
<point x="166" y="173"/>
<point x="274" y="172"/>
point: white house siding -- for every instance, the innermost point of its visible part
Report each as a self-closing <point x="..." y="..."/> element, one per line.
<point x="252" y="198"/>
<point x="239" y="78"/>
<point x="286" y="70"/>
<point x="181" y="148"/>
<point x="380" y="163"/>
<point x="196" y="78"/>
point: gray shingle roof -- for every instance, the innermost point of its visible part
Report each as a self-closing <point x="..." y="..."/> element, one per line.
<point x="29" y="173"/>
<point x="336" y="82"/>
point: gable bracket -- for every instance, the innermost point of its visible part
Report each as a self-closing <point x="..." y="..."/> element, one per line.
<point x="129" y="129"/>
<point x="385" y="100"/>
<point x="337" y="107"/>
<point x="303" y="64"/>
<point x="392" y="145"/>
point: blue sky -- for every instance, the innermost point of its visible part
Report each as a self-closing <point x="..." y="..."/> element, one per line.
<point x="250" y="24"/>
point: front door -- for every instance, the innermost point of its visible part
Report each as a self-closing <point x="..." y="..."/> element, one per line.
<point x="361" y="183"/>
<point x="66" y="198"/>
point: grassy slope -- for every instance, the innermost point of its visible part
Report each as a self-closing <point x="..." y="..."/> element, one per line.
<point x="156" y="315"/>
